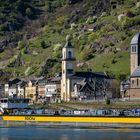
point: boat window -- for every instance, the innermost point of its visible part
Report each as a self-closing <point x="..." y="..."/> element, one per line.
<point x="1" y="101"/>
<point x="5" y="101"/>
<point x="25" y="101"/>
<point x="11" y="101"/>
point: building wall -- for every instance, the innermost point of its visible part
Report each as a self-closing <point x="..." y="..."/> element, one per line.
<point x="63" y="81"/>
<point x="41" y="90"/>
<point x="30" y="91"/>
<point x="6" y="90"/>
<point x="68" y="69"/>
<point x="12" y="92"/>
<point x="65" y="92"/>
<point x="72" y="86"/>
<point x="135" y="82"/>
<point x="135" y="93"/>
<point x="135" y="88"/>
<point x="52" y="89"/>
<point x="21" y="92"/>
<point x="134" y="62"/>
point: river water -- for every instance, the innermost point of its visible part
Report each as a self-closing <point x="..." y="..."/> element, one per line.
<point x="41" y="133"/>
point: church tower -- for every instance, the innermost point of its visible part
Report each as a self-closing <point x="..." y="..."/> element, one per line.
<point x="135" y="52"/>
<point x="68" y="69"/>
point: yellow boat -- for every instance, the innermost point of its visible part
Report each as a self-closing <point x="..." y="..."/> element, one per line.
<point x="57" y="118"/>
<point x="72" y="119"/>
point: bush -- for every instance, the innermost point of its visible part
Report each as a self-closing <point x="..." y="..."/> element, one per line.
<point x="130" y="14"/>
<point x="29" y="13"/>
<point x="91" y="20"/>
<point x="3" y="27"/>
<point x="129" y="22"/>
<point x="21" y="45"/>
<point x="108" y="101"/>
<point x="87" y="54"/>
<point x="44" y="45"/>
<point x="92" y="37"/>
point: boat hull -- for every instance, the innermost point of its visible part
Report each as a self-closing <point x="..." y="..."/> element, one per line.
<point x="72" y="119"/>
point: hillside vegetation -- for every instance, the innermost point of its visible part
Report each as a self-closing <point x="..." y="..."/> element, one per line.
<point x="33" y="32"/>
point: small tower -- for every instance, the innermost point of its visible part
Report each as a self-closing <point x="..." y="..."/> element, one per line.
<point x="68" y="69"/>
<point x="135" y="52"/>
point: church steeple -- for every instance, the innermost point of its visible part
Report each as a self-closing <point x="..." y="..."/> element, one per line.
<point x="68" y="59"/>
<point x="68" y="69"/>
<point x="135" y="52"/>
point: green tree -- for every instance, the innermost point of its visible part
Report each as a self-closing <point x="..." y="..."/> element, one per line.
<point x="29" y="13"/>
<point x="44" y="45"/>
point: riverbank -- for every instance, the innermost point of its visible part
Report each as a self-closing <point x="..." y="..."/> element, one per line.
<point x="94" y="104"/>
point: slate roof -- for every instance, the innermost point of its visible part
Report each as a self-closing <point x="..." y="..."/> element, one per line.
<point x="85" y="84"/>
<point x="136" y="39"/>
<point x="125" y="82"/>
<point x="68" y="45"/>
<point x="14" y="81"/>
<point x="88" y="75"/>
<point x="56" y="79"/>
<point x="136" y="73"/>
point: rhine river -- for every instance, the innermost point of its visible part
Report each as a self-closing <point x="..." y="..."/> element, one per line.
<point x="41" y="133"/>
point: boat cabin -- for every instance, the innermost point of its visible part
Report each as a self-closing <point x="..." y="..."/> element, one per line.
<point x="14" y="103"/>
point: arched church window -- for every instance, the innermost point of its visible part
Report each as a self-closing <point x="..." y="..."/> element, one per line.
<point x="137" y="82"/>
<point x="134" y="49"/>
<point x="133" y="82"/>
<point x="69" y="54"/>
<point x="70" y="68"/>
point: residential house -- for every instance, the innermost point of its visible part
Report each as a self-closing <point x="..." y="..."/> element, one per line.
<point x="41" y="90"/>
<point x="31" y="90"/>
<point x="53" y="88"/>
<point x="2" y="91"/>
<point x="15" y="88"/>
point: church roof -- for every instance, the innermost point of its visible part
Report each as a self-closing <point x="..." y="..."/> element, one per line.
<point x="68" y="45"/>
<point x="89" y="75"/>
<point x="125" y="82"/>
<point x="136" y="39"/>
<point x="85" y="84"/>
<point x="136" y="73"/>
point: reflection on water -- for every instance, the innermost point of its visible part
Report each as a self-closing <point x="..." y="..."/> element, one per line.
<point x="40" y="133"/>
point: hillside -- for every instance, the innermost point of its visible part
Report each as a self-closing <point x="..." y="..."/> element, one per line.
<point x="32" y="33"/>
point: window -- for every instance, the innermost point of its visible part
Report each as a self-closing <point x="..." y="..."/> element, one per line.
<point x="137" y="82"/>
<point x="134" y="49"/>
<point x="69" y="55"/>
<point x="31" y="95"/>
<point x="70" y="71"/>
<point x="133" y="82"/>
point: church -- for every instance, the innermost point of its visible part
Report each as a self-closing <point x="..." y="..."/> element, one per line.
<point x="135" y="67"/>
<point x="80" y="85"/>
<point x="131" y="88"/>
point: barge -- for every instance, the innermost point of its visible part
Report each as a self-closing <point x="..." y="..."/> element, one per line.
<point x="86" y="118"/>
<point x="75" y="120"/>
